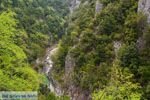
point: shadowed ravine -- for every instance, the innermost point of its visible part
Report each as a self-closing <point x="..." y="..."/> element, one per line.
<point x="48" y="65"/>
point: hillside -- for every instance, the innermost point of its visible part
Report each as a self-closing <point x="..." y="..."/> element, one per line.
<point x="76" y="49"/>
<point x="105" y="52"/>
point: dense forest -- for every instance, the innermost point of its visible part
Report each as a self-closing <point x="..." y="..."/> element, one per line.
<point x="27" y="28"/>
<point x="103" y="48"/>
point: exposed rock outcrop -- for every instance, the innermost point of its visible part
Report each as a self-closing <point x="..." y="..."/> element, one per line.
<point x="77" y="94"/>
<point x="74" y="4"/>
<point x="71" y="89"/>
<point x="144" y="6"/>
<point x="69" y="64"/>
<point x="98" y="6"/>
<point x="140" y="43"/>
<point x="117" y="46"/>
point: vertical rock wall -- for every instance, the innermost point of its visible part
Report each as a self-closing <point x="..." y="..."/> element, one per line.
<point x="144" y="6"/>
<point x="98" y="6"/>
<point x="117" y="46"/>
<point x="69" y="64"/>
<point x="74" y="4"/>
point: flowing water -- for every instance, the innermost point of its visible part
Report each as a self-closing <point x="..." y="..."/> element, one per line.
<point x="48" y="65"/>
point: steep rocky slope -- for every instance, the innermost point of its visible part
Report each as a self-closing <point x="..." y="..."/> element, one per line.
<point x="106" y="46"/>
<point x="143" y="6"/>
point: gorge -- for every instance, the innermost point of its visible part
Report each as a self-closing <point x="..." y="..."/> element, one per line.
<point x="76" y="49"/>
<point x="75" y="72"/>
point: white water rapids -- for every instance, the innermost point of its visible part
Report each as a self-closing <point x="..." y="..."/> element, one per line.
<point x="48" y="65"/>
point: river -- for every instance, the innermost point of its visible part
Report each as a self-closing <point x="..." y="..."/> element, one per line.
<point x="48" y="65"/>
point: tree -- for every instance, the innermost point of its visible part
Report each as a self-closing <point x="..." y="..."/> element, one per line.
<point x="120" y="87"/>
<point x="129" y="57"/>
<point x="15" y="74"/>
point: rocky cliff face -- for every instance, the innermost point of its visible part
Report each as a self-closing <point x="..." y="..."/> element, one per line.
<point x="74" y="4"/>
<point x="140" y="43"/>
<point x="98" y="6"/>
<point x="144" y="6"/>
<point x="76" y="93"/>
<point x="69" y="64"/>
<point x="73" y="91"/>
<point x="117" y="46"/>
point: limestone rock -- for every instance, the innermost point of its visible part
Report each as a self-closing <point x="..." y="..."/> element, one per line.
<point x="144" y="6"/>
<point x="117" y="46"/>
<point x="140" y="43"/>
<point x="69" y="64"/>
<point x="98" y="6"/>
<point x="74" y="4"/>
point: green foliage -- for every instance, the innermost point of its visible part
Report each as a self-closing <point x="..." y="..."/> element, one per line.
<point x="59" y="62"/>
<point x="14" y="71"/>
<point x="107" y="22"/>
<point x="146" y="36"/>
<point x="144" y="72"/>
<point x="37" y="16"/>
<point x="92" y="48"/>
<point x="26" y="29"/>
<point x="7" y="29"/>
<point x="52" y="96"/>
<point x="89" y="53"/>
<point x="42" y="20"/>
<point x="10" y="52"/>
<point x="89" y="80"/>
<point x="112" y="17"/>
<point x="60" y="6"/>
<point x="18" y="79"/>
<point x="145" y="80"/>
<point x="129" y="57"/>
<point x="105" y="2"/>
<point x="38" y="41"/>
<point x="120" y="87"/>
<point x="134" y="26"/>
<point x="89" y="39"/>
